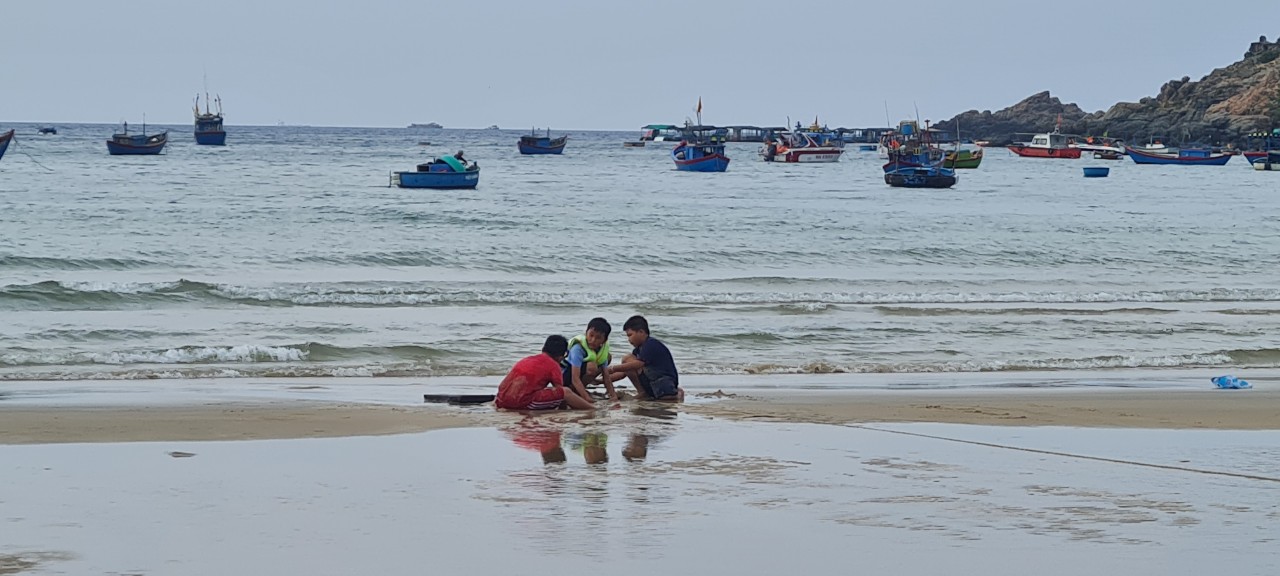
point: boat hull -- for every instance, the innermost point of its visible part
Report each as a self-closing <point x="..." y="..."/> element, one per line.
<point x="1036" y="152"/>
<point x="962" y="161"/>
<point x="534" y="146"/>
<point x="920" y="178"/>
<point x="436" y="180"/>
<point x="1140" y="157"/>
<point x="212" y="138"/>
<point x="152" y="147"/>
<point x="1258" y="156"/>
<point x="717" y="162"/>
<point x="4" y="142"/>
<point x="806" y="156"/>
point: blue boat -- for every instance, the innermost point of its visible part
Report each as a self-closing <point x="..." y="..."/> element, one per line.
<point x="1184" y="157"/>
<point x="921" y="177"/>
<point x="209" y="130"/>
<point x="445" y="172"/>
<point x="702" y="149"/>
<point x="136" y="144"/>
<point x="534" y="144"/>
<point x="693" y="157"/>
<point x="4" y="142"/>
<point x="1096" y="171"/>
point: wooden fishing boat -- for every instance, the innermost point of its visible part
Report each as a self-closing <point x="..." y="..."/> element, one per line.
<point x="5" y="139"/>
<point x="126" y="144"/>
<point x="444" y="172"/>
<point x="963" y="159"/>
<point x="1183" y="157"/>
<point x="209" y="131"/>
<point x="535" y="144"/>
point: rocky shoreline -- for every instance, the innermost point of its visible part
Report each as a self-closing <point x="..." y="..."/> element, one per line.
<point x="1222" y="108"/>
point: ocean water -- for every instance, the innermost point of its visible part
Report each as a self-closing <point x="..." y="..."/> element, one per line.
<point x="286" y="254"/>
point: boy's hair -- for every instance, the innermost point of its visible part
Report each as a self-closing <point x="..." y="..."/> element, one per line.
<point x="556" y="346"/>
<point x="600" y="325"/>
<point x="637" y="322"/>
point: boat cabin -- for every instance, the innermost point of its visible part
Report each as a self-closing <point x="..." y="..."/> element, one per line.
<point x="1051" y="140"/>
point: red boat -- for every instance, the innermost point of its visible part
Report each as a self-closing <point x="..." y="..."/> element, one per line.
<point x="1051" y="145"/>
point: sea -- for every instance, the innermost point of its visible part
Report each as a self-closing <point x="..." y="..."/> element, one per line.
<point x="286" y="254"/>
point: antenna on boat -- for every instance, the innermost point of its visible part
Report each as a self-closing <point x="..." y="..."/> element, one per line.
<point x="887" y="122"/>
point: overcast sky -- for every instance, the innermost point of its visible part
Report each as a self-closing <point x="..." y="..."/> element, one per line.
<point x="602" y="64"/>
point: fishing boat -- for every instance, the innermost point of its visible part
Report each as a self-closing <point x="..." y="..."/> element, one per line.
<point x="1047" y="145"/>
<point x="428" y="125"/>
<point x="909" y="147"/>
<point x="799" y="147"/>
<point x="1269" y="161"/>
<point x="661" y="133"/>
<point x="963" y="159"/>
<point x="921" y="177"/>
<point x="49" y="130"/>
<point x="701" y="148"/>
<point x="126" y="144"/>
<point x="535" y="144"/>
<point x="1262" y="144"/>
<point x="1109" y="148"/>
<point x="209" y="130"/>
<point x="1155" y="147"/>
<point x="1183" y="157"/>
<point x="914" y="162"/>
<point x="633" y="143"/>
<point x="1108" y="155"/>
<point x="5" y="139"/>
<point x="444" y="172"/>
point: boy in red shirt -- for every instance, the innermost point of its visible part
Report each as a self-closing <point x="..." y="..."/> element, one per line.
<point x="525" y="387"/>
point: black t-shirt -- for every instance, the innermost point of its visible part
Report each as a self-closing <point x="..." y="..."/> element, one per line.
<point x="657" y="360"/>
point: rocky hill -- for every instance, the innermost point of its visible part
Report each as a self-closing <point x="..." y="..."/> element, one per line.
<point x="1220" y="108"/>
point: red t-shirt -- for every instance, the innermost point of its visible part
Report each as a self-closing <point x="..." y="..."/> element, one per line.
<point x="525" y="379"/>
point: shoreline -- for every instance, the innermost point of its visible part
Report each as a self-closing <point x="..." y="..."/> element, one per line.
<point x="1256" y="409"/>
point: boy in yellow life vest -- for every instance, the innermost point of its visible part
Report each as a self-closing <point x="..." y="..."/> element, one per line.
<point x="588" y="360"/>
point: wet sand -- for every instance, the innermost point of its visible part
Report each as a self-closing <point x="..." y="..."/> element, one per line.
<point x="1107" y="408"/>
<point x="52" y="425"/>
<point x="1257" y="409"/>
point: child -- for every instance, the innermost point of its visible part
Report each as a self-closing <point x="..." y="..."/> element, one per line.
<point x="525" y="387"/>
<point x="650" y="366"/>
<point x="589" y="359"/>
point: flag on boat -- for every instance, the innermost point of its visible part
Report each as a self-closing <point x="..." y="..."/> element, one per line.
<point x="699" y="104"/>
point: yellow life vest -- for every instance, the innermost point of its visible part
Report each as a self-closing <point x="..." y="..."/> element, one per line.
<point x="599" y="357"/>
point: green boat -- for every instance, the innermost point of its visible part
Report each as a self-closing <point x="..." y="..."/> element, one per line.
<point x="966" y="159"/>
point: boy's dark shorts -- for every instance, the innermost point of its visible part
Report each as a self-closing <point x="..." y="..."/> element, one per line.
<point x="657" y="388"/>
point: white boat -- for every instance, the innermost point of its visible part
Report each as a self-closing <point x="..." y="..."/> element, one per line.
<point x="798" y="147"/>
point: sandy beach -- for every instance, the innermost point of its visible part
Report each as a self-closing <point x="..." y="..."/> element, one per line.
<point x="1257" y="409"/>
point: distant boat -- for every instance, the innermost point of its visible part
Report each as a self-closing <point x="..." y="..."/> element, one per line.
<point x="963" y="159"/>
<point x="493" y="127"/>
<point x="5" y="139"/>
<point x="633" y="143"/>
<point x="535" y="144"/>
<point x="444" y="172"/>
<point x="49" y="130"/>
<point x="661" y="133"/>
<point x="799" y="147"/>
<point x="431" y="125"/>
<point x="1183" y="157"/>
<point x="125" y="143"/>
<point x="209" y="130"/>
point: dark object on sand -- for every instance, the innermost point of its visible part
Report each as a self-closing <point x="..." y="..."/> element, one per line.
<point x="457" y="399"/>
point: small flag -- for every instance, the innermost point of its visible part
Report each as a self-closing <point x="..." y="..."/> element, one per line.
<point x="699" y="104"/>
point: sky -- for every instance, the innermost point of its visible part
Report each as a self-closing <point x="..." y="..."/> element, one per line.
<point x="598" y="65"/>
